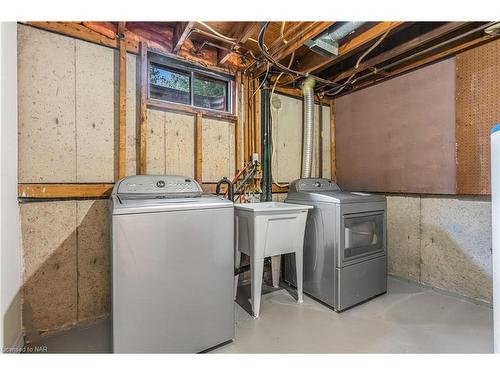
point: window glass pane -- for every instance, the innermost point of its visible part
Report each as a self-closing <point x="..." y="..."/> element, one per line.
<point x="210" y="93"/>
<point x="170" y="85"/>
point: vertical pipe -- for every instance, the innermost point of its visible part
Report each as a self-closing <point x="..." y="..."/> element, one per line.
<point x="122" y="88"/>
<point x="333" y="153"/>
<point x="495" y="222"/>
<point x="320" y="142"/>
<point x="266" y="143"/>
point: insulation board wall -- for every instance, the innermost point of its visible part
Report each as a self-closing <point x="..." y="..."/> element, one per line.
<point x="66" y="263"/>
<point x="68" y="119"/>
<point x="68" y="109"/>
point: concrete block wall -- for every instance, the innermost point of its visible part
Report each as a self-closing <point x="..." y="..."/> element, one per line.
<point x="443" y="242"/>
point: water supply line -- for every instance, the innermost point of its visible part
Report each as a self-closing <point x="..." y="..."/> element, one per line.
<point x="308" y="133"/>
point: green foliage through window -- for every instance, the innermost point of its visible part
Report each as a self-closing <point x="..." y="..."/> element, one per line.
<point x="189" y="87"/>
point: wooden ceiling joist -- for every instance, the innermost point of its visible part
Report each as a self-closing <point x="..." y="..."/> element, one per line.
<point x="296" y="36"/>
<point x="401" y="49"/>
<point x="241" y="36"/>
<point x="428" y="60"/>
<point x="181" y="33"/>
<point x="300" y="38"/>
<point x="312" y="62"/>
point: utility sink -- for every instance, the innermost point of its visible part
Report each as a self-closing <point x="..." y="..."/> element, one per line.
<point x="271" y="207"/>
<point x="269" y="229"/>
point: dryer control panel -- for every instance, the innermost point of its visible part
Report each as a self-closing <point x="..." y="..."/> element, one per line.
<point x="178" y="186"/>
<point x="313" y="185"/>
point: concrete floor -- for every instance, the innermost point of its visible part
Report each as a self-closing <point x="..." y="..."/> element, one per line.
<point x="408" y="319"/>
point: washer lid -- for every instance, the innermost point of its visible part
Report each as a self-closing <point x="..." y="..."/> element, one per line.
<point x="158" y="193"/>
<point x="134" y="205"/>
<point x="324" y="190"/>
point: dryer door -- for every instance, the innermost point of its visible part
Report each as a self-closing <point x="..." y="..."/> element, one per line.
<point x="362" y="237"/>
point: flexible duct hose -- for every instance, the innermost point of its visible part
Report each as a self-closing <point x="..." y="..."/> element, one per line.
<point x="307" y="139"/>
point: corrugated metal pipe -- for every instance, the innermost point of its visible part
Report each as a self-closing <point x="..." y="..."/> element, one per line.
<point x="308" y="132"/>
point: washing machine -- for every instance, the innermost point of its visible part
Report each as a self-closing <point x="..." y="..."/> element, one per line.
<point x="172" y="266"/>
<point x="345" y="243"/>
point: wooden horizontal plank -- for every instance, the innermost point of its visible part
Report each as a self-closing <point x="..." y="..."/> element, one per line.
<point x="91" y="190"/>
<point x="297" y="93"/>
<point x="47" y="191"/>
<point x="181" y="108"/>
<point x="80" y="31"/>
<point x="209" y="187"/>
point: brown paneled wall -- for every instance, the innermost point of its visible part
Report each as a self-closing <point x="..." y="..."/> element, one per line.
<point x="399" y="135"/>
<point x="424" y="132"/>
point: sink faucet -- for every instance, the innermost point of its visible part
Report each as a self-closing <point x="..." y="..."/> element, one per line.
<point x="227" y="181"/>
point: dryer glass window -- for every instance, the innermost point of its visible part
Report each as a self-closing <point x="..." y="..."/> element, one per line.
<point x="363" y="234"/>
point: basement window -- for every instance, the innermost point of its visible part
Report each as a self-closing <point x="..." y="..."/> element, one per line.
<point x="176" y="82"/>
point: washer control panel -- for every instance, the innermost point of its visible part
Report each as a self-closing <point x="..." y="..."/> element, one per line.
<point x="313" y="184"/>
<point x="179" y="186"/>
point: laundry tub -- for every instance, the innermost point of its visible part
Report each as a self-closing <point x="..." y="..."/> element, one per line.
<point x="269" y="229"/>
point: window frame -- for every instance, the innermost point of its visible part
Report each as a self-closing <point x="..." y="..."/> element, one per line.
<point x="193" y="71"/>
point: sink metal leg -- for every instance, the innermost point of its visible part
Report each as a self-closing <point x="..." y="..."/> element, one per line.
<point x="276" y="268"/>
<point x="256" y="271"/>
<point x="298" y="270"/>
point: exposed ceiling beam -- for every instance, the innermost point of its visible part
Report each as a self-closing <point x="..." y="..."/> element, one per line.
<point x="241" y="34"/>
<point x="300" y="38"/>
<point x="313" y="62"/>
<point x="295" y="39"/>
<point x="181" y="32"/>
<point x="79" y="31"/>
<point x="402" y="48"/>
<point x="430" y="59"/>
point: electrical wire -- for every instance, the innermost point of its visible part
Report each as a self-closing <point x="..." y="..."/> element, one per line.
<point x="357" y="64"/>
<point x="283" y="68"/>
<point x="423" y="52"/>
<point x="283" y="31"/>
<point x="263" y="80"/>
<point x="216" y="32"/>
